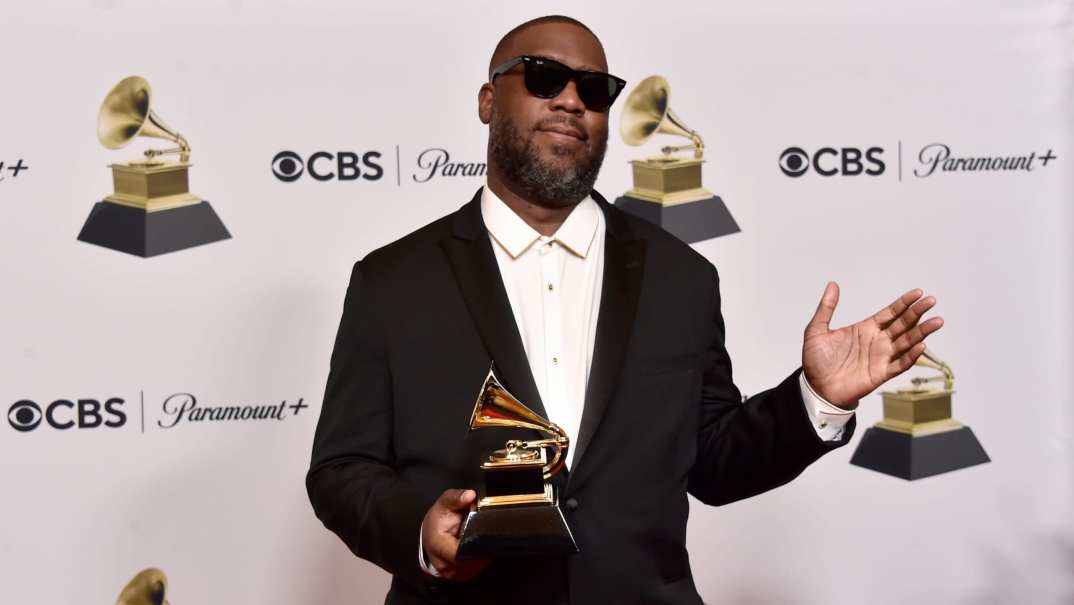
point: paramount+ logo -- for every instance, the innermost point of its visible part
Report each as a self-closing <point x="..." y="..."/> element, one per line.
<point x="26" y="415"/>
<point x="831" y="161"/>
<point x="289" y="166"/>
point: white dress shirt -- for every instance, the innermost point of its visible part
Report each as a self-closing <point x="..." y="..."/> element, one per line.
<point x="553" y="284"/>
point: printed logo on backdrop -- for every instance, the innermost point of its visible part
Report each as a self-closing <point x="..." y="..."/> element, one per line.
<point x="832" y="161"/>
<point x="12" y="170"/>
<point x="62" y="414"/>
<point x="184" y="408"/>
<point x="931" y="160"/>
<point x="178" y="409"/>
<point x="937" y="158"/>
<point x="151" y="210"/>
<point x="367" y="166"/>
<point x="289" y="166"/>
<point x="668" y="189"/>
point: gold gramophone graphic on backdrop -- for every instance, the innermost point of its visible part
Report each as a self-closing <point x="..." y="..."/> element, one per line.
<point x="151" y="211"/>
<point x="667" y="188"/>
<point x="517" y="511"/>
<point x="145" y="588"/>
<point x="918" y="437"/>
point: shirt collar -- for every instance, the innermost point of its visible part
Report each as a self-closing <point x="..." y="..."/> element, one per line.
<point x="510" y="231"/>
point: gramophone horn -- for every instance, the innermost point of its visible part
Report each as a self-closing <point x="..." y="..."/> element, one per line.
<point x="126" y="114"/>
<point x="146" y="588"/>
<point x="496" y="407"/>
<point x="647" y="112"/>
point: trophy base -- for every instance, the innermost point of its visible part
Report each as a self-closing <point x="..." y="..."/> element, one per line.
<point x="689" y="221"/>
<point x="134" y="231"/>
<point x="528" y="530"/>
<point x="901" y="455"/>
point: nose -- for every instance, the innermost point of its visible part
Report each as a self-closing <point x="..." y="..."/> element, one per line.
<point x="568" y="100"/>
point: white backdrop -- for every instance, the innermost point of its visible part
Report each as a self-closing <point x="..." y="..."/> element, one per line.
<point x="221" y="507"/>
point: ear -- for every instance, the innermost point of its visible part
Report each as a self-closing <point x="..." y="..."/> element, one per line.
<point x="484" y="102"/>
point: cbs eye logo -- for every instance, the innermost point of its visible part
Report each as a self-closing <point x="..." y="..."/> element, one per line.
<point x="288" y="166"/>
<point x="828" y="161"/>
<point x="24" y="416"/>
<point x="62" y="414"/>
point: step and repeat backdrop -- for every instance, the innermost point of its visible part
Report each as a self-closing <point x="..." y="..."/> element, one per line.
<point x="163" y="354"/>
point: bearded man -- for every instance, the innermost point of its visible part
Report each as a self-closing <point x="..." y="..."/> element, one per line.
<point x="602" y="323"/>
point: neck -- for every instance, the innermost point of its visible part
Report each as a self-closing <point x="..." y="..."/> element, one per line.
<point x="542" y="219"/>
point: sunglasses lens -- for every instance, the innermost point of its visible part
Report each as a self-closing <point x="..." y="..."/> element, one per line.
<point x="546" y="79"/>
<point x="597" y="91"/>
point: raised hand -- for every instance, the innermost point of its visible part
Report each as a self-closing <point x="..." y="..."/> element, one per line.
<point x="847" y="364"/>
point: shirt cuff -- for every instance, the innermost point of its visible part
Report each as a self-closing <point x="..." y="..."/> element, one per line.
<point x="827" y="420"/>
<point x="422" y="560"/>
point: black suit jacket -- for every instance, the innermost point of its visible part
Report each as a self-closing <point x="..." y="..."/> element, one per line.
<point x="425" y="315"/>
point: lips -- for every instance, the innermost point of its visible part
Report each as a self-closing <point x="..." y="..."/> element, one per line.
<point x="564" y="130"/>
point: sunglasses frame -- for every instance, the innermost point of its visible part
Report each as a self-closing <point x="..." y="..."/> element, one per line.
<point x="574" y="74"/>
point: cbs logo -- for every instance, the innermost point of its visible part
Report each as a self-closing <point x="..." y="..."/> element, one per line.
<point x="288" y="166"/>
<point x="828" y="161"/>
<point x="62" y="414"/>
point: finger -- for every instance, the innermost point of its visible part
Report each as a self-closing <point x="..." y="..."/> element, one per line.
<point x="915" y="335"/>
<point x="442" y="547"/>
<point x="910" y="316"/>
<point x="887" y="314"/>
<point x="466" y="498"/>
<point x="456" y="500"/>
<point x="825" y="309"/>
<point x="903" y="362"/>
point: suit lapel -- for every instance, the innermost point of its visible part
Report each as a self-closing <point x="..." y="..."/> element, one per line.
<point x="469" y="251"/>
<point x="624" y="259"/>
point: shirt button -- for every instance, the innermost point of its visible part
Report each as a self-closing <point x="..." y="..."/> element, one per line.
<point x="555" y="360"/>
<point x="549" y="287"/>
<point x="572" y="505"/>
<point x="823" y="424"/>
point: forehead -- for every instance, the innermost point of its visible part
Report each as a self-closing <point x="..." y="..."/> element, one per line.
<point x="563" y="42"/>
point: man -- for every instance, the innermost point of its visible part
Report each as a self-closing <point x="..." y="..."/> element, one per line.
<point x="604" y="324"/>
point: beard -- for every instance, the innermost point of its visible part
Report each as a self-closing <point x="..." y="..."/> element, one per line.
<point x="551" y="184"/>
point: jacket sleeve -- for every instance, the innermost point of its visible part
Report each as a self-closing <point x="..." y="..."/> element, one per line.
<point x="352" y="481"/>
<point x="745" y="448"/>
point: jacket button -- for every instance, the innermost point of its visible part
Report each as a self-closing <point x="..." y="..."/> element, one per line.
<point x="572" y="505"/>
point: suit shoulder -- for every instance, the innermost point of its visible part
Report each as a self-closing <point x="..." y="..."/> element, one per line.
<point x="422" y="240"/>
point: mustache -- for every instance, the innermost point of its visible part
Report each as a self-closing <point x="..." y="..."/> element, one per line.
<point x="568" y="121"/>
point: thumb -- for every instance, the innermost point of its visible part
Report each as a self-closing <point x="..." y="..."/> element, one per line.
<point x="456" y="499"/>
<point x="823" y="316"/>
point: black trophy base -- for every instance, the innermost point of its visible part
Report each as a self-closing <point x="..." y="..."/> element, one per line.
<point x="900" y="455"/>
<point x="145" y="234"/>
<point x="511" y="531"/>
<point x="691" y="221"/>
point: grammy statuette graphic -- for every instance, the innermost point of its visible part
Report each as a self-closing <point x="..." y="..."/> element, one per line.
<point x="151" y="211"/>
<point x="667" y="188"/>
<point x="918" y="437"/>
<point x="145" y="588"/>
<point x="517" y="512"/>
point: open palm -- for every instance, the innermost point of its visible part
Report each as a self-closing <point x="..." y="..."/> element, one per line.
<point x="847" y="364"/>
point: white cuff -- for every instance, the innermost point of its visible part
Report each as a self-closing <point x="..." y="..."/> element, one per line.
<point x="827" y="419"/>
<point x="422" y="561"/>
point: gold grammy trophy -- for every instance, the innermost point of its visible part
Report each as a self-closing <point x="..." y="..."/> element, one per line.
<point x="918" y="437"/>
<point x="517" y="511"/>
<point x="151" y="211"/>
<point x="146" y="588"/>
<point x="667" y="188"/>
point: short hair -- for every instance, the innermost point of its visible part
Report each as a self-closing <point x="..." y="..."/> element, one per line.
<point x="506" y="39"/>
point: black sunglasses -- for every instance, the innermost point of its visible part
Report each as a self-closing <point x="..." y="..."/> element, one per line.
<point x="546" y="78"/>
